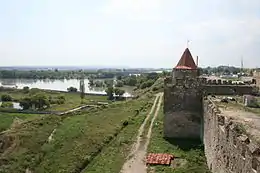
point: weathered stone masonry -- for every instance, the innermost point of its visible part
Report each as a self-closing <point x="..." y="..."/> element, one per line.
<point x="183" y="100"/>
<point x="227" y="148"/>
<point x="187" y="115"/>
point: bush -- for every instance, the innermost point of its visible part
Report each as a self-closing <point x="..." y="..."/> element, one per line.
<point x="7" y="105"/>
<point x="39" y="101"/>
<point x="154" y="89"/>
<point x="26" y="89"/>
<point x="119" y="84"/>
<point x="58" y="100"/>
<point x="34" y="91"/>
<point x="6" y="98"/>
<point x="72" y="89"/>
<point x="125" y="123"/>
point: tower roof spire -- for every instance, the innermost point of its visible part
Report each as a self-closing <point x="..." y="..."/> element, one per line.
<point x="186" y="61"/>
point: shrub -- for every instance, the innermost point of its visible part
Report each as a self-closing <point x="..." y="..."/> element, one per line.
<point x="125" y="123"/>
<point x="7" y="105"/>
<point x="6" y="98"/>
<point x="34" y="91"/>
<point x="154" y="89"/>
<point x="72" y="89"/>
<point x="119" y="84"/>
<point x="26" y="89"/>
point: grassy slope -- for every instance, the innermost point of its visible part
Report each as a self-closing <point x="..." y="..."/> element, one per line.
<point x="7" y="119"/>
<point x="28" y="139"/>
<point x="72" y="99"/>
<point x="185" y="149"/>
<point x="80" y="138"/>
<point x="77" y="139"/>
<point x="111" y="159"/>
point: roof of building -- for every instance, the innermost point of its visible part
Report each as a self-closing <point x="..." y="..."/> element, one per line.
<point x="186" y="61"/>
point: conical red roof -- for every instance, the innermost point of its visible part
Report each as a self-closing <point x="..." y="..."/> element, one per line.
<point x="186" y="61"/>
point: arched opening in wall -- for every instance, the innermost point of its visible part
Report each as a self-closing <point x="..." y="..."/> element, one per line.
<point x="254" y="164"/>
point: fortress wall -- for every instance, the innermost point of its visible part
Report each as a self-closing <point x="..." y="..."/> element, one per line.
<point x="228" y="149"/>
<point x="183" y="111"/>
<point x="257" y="78"/>
<point x="229" y="89"/>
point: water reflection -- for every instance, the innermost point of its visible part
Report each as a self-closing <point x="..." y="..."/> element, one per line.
<point x="53" y="84"/>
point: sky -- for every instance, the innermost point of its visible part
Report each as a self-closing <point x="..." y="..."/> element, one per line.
<point x="131" y="33"/>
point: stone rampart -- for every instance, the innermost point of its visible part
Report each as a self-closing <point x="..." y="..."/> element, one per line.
<point x="229" y="89"/>
<point x="257" y="78"/>
<point x="228" y="148"/>
<point x="182" y="109"/>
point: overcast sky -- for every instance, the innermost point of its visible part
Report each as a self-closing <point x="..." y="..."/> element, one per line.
<point x="133" y="33"/>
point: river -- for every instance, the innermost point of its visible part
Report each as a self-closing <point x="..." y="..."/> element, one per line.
<point x="58" y="85"/>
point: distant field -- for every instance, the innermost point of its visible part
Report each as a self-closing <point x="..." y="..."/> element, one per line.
<point x="77" y="141"/>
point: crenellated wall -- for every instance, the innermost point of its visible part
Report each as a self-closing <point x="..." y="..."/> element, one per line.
<point x="228" y="148"/>
<point x="229" y="89"/>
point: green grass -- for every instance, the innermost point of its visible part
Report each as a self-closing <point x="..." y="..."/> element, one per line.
<point x="26" y="141"/>
<point x="189" y="152"/>
<point x="7" y="119"/>
<point x="73" y="100"/>
<point x="113" y="156"/>
<point x="77" y="141"/>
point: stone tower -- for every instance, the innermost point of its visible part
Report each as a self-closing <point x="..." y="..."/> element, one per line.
<point x="183" y="100"/>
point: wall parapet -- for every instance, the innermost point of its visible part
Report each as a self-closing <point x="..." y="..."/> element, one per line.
<point x="228" y="147"/>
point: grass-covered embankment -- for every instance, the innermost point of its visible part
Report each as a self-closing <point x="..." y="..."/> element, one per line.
<point x="6" y="119"/>
<point x="190" y="153"/>
<point x="77" y="140"/>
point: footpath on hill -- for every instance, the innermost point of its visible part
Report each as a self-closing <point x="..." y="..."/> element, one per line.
<point x="136" y="159"/>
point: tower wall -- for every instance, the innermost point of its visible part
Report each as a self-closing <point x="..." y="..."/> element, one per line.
<point x="183" y="105"/>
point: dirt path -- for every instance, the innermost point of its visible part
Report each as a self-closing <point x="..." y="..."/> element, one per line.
<point x="136" y="161"/>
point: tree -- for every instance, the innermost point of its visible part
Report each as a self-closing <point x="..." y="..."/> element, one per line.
<point x="109" y="83"/>
<point x="119" y="83"/>
<point x="110" y="93"/>
<point x="26" y="89"/>
<point x="38" y="101"/>
<point x="72" y="89"/>
<point x="25" y="103"/>
<point x="119" y="77"/>
<point x="6" y="98"/>
<point x="119" y="92"/>
<point x="98" y="83"/>
<point x="82" y="89"/>
<point x="91" y="82"/>
<point x="60" y="99"/>
<point x="7" y="105"/>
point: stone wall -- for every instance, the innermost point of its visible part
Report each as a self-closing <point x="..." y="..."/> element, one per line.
<point x="227" y="148"/>
<point x="229" y="89"/>
<point x="182" y="109"/>
<point x="257" y="78"/>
